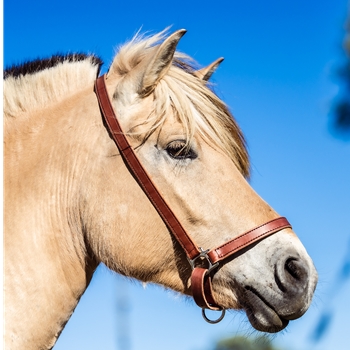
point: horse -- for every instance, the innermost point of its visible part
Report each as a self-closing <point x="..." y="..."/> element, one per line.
<point x="72" y="201"/>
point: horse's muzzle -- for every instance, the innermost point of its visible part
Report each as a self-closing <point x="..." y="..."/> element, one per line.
<point x="286" y="298"/>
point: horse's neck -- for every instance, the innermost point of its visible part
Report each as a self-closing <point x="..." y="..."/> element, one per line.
<point x="46" y="266"/>
<point x="41" y="292"/>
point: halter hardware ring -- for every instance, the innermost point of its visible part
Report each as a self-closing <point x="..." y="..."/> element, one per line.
<point x="203" y="255"/>
<point x="223" y="311"/>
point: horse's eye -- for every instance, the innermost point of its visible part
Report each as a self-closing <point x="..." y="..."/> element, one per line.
<point x="179" y="150"/>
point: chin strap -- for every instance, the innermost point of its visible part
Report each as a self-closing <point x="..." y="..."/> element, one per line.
<point x="201" y="276"/>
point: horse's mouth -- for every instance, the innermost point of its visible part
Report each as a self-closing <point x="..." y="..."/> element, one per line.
<point x="261" y="314"/>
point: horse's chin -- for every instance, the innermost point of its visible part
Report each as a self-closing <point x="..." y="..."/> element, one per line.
<point x="261" y="315"/>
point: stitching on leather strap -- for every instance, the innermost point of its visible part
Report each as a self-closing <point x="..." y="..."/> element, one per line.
<point x="234" y="249"/>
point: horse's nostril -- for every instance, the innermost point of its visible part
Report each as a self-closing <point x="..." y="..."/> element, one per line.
<point x="292" y="276"/>
<point x="291" y="266"/>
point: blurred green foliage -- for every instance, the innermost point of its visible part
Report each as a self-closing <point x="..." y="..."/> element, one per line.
<point x="245" y="343"/>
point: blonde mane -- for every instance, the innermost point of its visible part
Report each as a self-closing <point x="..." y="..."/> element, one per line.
<point x="24" y="93"/>
<point x="180" y="91"/>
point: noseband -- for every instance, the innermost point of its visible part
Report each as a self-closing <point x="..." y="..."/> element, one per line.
<point x="203" y="262"/>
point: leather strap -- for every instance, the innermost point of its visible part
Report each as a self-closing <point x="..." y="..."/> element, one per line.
<point x="246" y="239"/>
<point x="139" y="172"/>
<point x="201" y="277"/>
<point x="202" y="289"/>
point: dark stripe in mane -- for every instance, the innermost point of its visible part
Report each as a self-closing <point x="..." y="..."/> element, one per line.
<point x="184" y="65"/>
<point x="31" y="67"/>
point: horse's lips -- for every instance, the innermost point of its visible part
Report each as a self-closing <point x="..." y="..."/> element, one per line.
<point x="261" y="316"/>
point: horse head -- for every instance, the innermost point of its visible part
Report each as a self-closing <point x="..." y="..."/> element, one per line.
<point x="194" y="152"/>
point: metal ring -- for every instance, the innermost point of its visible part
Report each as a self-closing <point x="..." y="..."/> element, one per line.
<point x="223" y="311"/>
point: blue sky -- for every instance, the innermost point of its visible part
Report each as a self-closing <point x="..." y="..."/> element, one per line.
<point x="278" y="78"/>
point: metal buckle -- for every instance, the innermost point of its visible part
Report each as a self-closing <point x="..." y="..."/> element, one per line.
<point x="203" y="255"/>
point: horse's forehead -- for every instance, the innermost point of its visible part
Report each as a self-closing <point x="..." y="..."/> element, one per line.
<point x="171" y="129"/>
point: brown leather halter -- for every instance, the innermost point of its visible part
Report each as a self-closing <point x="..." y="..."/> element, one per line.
<point x="202" y="262"/>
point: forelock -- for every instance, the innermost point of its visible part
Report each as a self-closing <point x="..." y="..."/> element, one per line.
<point x="192" y="100"/>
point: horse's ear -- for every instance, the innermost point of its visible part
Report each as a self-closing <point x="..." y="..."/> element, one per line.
<point x="159" y="64"/>
<point x="206" y="72"/>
